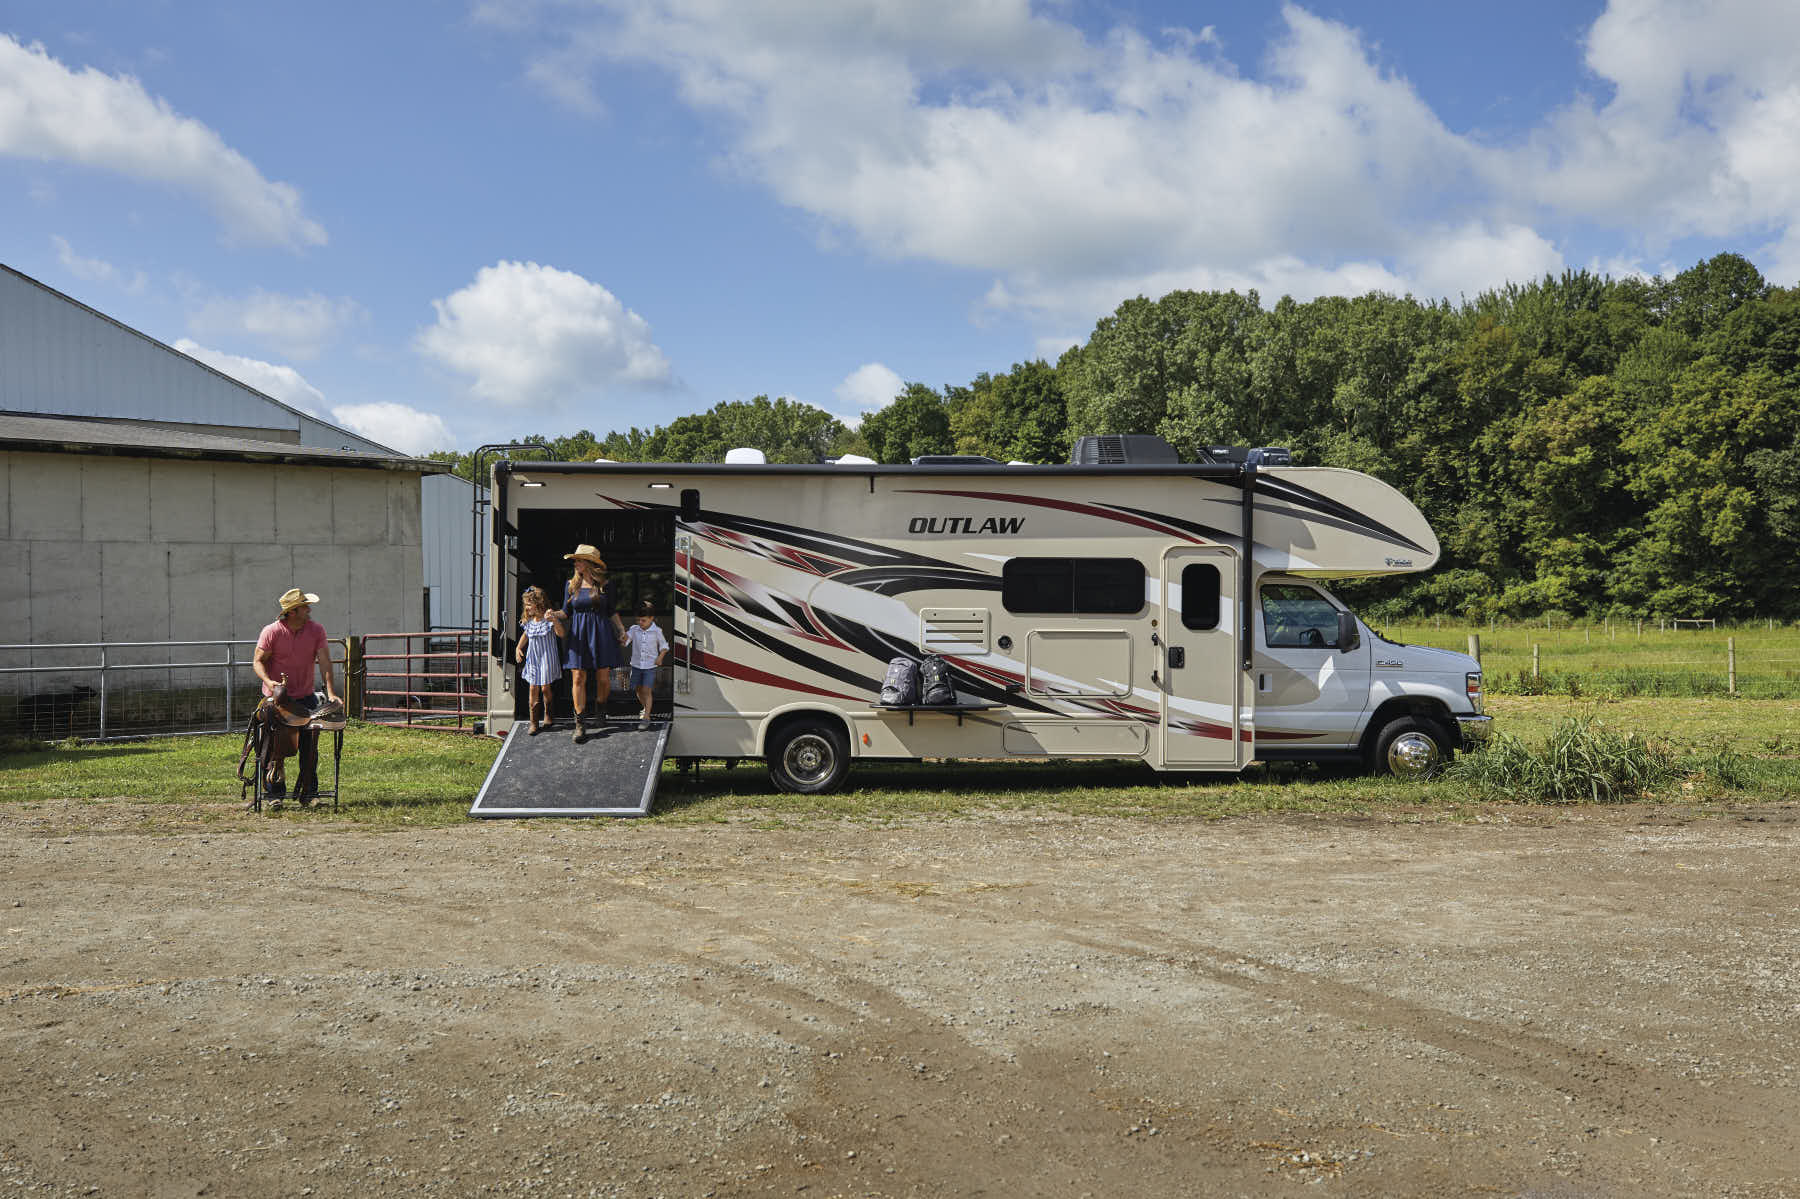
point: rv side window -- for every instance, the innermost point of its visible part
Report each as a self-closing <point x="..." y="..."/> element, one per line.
<point x="1052" y="586"/>
<point x="1297" y="617"/>
<point x="1200" y="596"/>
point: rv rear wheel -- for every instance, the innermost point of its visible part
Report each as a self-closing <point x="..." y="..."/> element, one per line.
<point x="1411" y="747"/>
<point x="809" y="757"/>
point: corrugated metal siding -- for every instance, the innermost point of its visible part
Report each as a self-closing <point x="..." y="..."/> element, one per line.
<point x="446" y="528"/>
<point x="58" y="356"/>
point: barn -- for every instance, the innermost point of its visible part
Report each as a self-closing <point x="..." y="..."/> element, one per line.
<point x="146" y="498"/>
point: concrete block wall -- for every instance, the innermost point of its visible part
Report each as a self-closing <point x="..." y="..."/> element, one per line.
<point x="100" y="548"/>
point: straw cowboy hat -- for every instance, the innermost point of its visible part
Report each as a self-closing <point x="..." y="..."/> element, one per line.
<point x="293" y="597"/>
<point x="588" y="553"/>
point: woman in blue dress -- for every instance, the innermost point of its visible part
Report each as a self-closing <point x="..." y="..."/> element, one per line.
<point x="595" y="634"/>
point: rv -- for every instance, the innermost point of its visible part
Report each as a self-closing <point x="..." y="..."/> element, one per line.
<point x="1127" y="605"/>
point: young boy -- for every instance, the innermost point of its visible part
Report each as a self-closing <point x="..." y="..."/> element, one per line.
<point x="648" y="648"/>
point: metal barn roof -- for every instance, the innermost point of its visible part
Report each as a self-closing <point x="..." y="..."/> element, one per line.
<point x="58" y="356"/>
<point x="33" y="433"/>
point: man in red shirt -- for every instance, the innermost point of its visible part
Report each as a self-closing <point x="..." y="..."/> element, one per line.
<point x="286" y="653"/>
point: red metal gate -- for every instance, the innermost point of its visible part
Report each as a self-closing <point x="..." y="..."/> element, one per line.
<point x="422" y="680"/>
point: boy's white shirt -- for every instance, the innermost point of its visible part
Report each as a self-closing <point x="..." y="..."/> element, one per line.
<point x="646" y="644"/>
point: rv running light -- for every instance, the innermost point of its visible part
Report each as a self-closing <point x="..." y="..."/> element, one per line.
<point x="531" y="483"/>
<point x="660" y="486"/>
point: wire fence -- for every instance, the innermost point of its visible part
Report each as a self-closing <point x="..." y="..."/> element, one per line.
<point x="122" y="690"/>
<point x="110" y="690"/>
<point x="1693" y="657"/>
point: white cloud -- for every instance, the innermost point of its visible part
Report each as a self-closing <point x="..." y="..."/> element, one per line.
<point x="997" y="138"/>
<point x="868" y="387"/>
<point x="282" y="382"/>
<point x="1701" y="135"/>
<point x="1078" y="171"/>
<point x="96" y="270"/>
<point x="298" y="326"/>
<point x="88" y="118"/>
<point x="1458" y="264"/>
<point x="405" y="429"/>
<point x="533" y="336"/>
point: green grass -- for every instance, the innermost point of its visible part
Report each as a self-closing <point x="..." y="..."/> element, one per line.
<point x="1710" y="750"/>
<point x="1620" y="660"/>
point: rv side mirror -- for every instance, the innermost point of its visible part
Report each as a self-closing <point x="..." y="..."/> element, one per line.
<point x="690" y="505"/>
<point x="1347" y="636"/>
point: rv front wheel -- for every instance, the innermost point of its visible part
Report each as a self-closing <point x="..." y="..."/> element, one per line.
<point x="1411" y="748"/>
<point x="809" y="757"/>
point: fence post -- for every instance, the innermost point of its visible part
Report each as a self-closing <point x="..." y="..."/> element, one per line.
<point x="1534" y="660"/>
<point x="353" y="675"/>
<point x="1475" y="647"/>
<point x="230" y="669"/>
<point x="1731" y="665"/>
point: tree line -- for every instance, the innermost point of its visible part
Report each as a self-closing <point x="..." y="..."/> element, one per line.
<point x="1583" y="445"/>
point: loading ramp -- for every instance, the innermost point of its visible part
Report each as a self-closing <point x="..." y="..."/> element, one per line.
<point x="613" y="773"/>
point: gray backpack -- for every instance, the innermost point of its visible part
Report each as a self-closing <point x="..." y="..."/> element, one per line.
<point x="901" y="686"/>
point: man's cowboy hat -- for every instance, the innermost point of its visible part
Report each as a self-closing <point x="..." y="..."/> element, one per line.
<point x="588" y="553"/>
<point x="293" y="597"/>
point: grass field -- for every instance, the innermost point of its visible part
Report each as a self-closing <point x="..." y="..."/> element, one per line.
<point x="1621" y="660"/>
<point x="1736" y="750"/>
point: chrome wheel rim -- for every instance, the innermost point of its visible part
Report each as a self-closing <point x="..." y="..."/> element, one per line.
<point x="1412" y="755"/>
<point x="808" y="759"/>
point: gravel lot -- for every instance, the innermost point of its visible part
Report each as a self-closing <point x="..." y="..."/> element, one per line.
<point x="1601" y="1003"/>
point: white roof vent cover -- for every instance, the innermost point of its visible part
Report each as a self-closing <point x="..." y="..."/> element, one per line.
<point x="745" y="456"/>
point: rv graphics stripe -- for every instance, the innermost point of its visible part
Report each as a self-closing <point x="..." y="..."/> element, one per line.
<point x="1104" y="511"/>
<point x="784" y="649"/>
<point x="713" y="664"/>
<point x="1330" y="512"/>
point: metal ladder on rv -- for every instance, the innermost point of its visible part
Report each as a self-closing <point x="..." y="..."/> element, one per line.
<point x="613" y="773"/>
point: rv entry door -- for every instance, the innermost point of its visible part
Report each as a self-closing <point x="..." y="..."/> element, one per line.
<point x="1197" y="661"/>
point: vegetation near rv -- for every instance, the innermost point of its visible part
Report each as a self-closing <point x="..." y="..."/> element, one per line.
<point x="1125" y="605"/>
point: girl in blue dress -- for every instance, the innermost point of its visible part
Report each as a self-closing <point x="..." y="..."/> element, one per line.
<point x="595" y="634"/>
<point x="537" y="654"/>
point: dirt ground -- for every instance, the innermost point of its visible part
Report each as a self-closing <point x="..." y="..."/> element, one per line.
<point x="1605" y="1003"/>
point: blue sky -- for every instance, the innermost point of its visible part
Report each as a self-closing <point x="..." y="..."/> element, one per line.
<point x="443" y="224"/>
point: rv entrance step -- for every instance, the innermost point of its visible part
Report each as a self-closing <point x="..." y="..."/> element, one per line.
<point x="612" y="774"/>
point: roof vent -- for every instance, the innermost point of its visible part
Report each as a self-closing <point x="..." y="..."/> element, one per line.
<point x="745" y="456"/>
<point x="954" y="460"/>
<point x="1121" y="449"/>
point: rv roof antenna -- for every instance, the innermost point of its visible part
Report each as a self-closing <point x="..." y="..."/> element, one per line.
<point x="746" y="456"/>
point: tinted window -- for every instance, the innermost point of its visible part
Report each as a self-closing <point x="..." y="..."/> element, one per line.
<point x="1200" y="596"/>
<point x="1297" y="617"/>
<point x="1050" y="586"/>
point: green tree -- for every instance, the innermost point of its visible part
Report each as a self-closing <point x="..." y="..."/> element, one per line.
<point x="1019" y="416"/>
<point x="917" y="422"/>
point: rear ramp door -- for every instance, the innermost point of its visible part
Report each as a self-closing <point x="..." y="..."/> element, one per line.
<point x="612" y="774"/>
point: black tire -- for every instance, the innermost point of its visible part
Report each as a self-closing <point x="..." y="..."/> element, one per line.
<point x="1411" y="747"/>
<point x="809" y="757"/>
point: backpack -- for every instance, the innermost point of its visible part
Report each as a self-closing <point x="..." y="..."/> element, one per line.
<point x="937" y="686"/>
<point x="901" y="686"/>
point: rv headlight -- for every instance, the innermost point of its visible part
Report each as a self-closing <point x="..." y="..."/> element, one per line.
<point x="1472" y="684"/>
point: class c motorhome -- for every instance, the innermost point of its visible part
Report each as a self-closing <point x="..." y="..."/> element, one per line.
<point x="1127" y="605"/>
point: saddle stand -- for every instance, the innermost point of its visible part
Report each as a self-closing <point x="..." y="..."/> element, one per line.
<point x="257" y="753"/>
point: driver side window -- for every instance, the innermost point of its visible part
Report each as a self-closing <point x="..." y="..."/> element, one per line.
<point x="1296" y="617"/>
